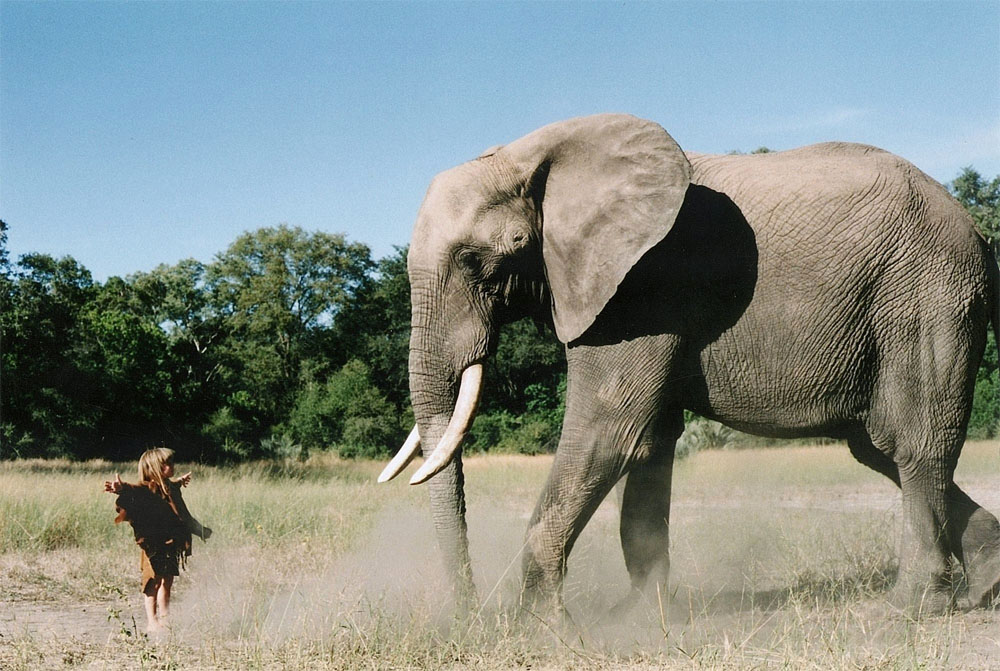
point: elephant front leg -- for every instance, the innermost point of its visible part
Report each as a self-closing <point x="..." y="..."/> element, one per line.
<point x="576" y="487"/>
<point x="613" y="424"/>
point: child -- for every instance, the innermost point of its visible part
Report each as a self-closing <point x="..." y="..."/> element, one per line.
<point x="162" y="526"/>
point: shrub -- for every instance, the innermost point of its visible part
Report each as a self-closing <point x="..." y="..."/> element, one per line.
<point x="224" y="427"/>
<point x="282" y="446"/>
<point x="347" y="413"/>
<point x="704" y="434"/>
<point x="371" y="435"/>
<point x="530" y="433"/>
<point x="985" y="419"/>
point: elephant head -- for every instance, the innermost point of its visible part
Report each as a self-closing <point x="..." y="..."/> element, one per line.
<point x="554" y="220"/>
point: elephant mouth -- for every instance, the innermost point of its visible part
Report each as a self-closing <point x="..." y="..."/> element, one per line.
<point x="464" y="412"/>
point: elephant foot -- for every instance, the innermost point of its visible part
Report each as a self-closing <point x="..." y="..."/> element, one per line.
<point x="984" y="585"/>
<point x="553" y="626"/>
<point x="623" y="608"/>
<point x="920" y="599"/>
<point x="982" y="571"/>
<point x="651" y="601"/>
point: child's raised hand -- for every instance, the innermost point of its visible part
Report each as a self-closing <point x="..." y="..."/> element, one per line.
<point x="113" y="486"/>
<point x="185" y="479"/>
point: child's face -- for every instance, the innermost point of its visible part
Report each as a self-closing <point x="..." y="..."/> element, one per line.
<point x="168" y="469"/>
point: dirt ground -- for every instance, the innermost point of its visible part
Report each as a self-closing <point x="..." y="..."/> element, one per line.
<point x="779" y="577"/>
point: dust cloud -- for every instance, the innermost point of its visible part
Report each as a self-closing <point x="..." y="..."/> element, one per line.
<point x="735" y="563"/>
<point x="393" y="581"/>
<point x="393" y="576"/>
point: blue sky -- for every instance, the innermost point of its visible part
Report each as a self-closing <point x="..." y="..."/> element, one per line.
<point x="134" y="134"/>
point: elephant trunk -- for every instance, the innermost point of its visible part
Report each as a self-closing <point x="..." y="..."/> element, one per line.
<point x="458" y="425"/>
<point x="433" y="394"/>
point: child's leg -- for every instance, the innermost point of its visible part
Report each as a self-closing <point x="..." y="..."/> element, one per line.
<point x="163" y="598"/>
<point x="149" y="601"/>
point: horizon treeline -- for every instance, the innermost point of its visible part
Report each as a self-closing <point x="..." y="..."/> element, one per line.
<point x="285" y="343"/>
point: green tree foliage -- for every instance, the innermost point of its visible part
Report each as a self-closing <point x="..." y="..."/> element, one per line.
<point x="175" y="299"/>
<point x="46" y="395"/>
<point x="349" y="412"/>
<point x="985" y="420"/>
<point x="375" y="327"/>
<point x="278" y="291"/>
<point x="981" y="199"/>
<point x="122" y="355"/>
<point x="525" y="392"/>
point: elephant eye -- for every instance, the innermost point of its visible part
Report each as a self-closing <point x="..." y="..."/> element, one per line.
<point x="469" y="261"/>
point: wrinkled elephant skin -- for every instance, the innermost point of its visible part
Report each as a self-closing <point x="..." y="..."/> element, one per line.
<point x="833" y="290"/>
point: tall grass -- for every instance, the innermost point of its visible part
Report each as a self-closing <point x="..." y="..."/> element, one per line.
<point x="781" y="558"/>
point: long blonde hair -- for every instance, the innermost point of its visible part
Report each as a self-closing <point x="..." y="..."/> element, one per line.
<point x="151" y="469"/>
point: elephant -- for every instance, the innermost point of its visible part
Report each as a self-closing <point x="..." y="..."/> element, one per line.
<point x="833" y="290"/>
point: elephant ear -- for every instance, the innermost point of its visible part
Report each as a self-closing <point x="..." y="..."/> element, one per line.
<point x="608" y="188"/>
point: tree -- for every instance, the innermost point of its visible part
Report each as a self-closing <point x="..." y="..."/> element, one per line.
<point x="347" y="412"/>
<point x="4" y="254"/>
<point x="375" y="327"/>
<point x="122" y="352"/>
<point x="529" y="358"/>
<point x="981" y="199"/>
<point x="45" y="409"/>
<point x="278" y="291"/>
<point x="177" y="300"/>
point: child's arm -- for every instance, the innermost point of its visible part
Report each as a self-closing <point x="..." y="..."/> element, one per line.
<point x="199" y="529"/>
<point x="193" y="525"/>
<point x="114" y="486"/>
<point x="125" y="492"/>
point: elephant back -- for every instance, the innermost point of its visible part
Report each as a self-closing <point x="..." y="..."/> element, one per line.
<point x="855" y="190"/>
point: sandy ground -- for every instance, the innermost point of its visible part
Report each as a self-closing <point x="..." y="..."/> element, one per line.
<point x="721" y="589"/>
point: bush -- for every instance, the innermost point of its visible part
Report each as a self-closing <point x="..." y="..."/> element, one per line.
<point x="15" y="444"/>
<point x="347" y="413"/>
<point x="985" y="420"/>
<point x="374" y="435"/>
<point x="530" y="433"/>
<point x="224" y="427"/>
<point x="282" y="446"/>
<point x="533" y="434"/>
<point x="704" y="434"/>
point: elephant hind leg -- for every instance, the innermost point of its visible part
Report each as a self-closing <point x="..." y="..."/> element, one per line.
<point x="865" y="452"/>
<point x="645" y="525"/>
<point x="925" y="577"/>
<point x="918" y="418"/>
<point x="923" y="472"/>
<point x="974" y="537"/>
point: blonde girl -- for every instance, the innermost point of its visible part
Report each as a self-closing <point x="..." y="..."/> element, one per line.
<point x="162" y="527"/>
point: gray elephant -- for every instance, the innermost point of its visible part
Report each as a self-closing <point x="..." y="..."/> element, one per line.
<point x="833" y="290"/>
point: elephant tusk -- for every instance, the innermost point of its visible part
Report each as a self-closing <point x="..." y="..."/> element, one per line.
<point x="461" y="420"/>
<point x="402" y="459"/>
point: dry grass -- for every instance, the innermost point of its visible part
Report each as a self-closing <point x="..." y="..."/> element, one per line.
<point x="781" y="559"/>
